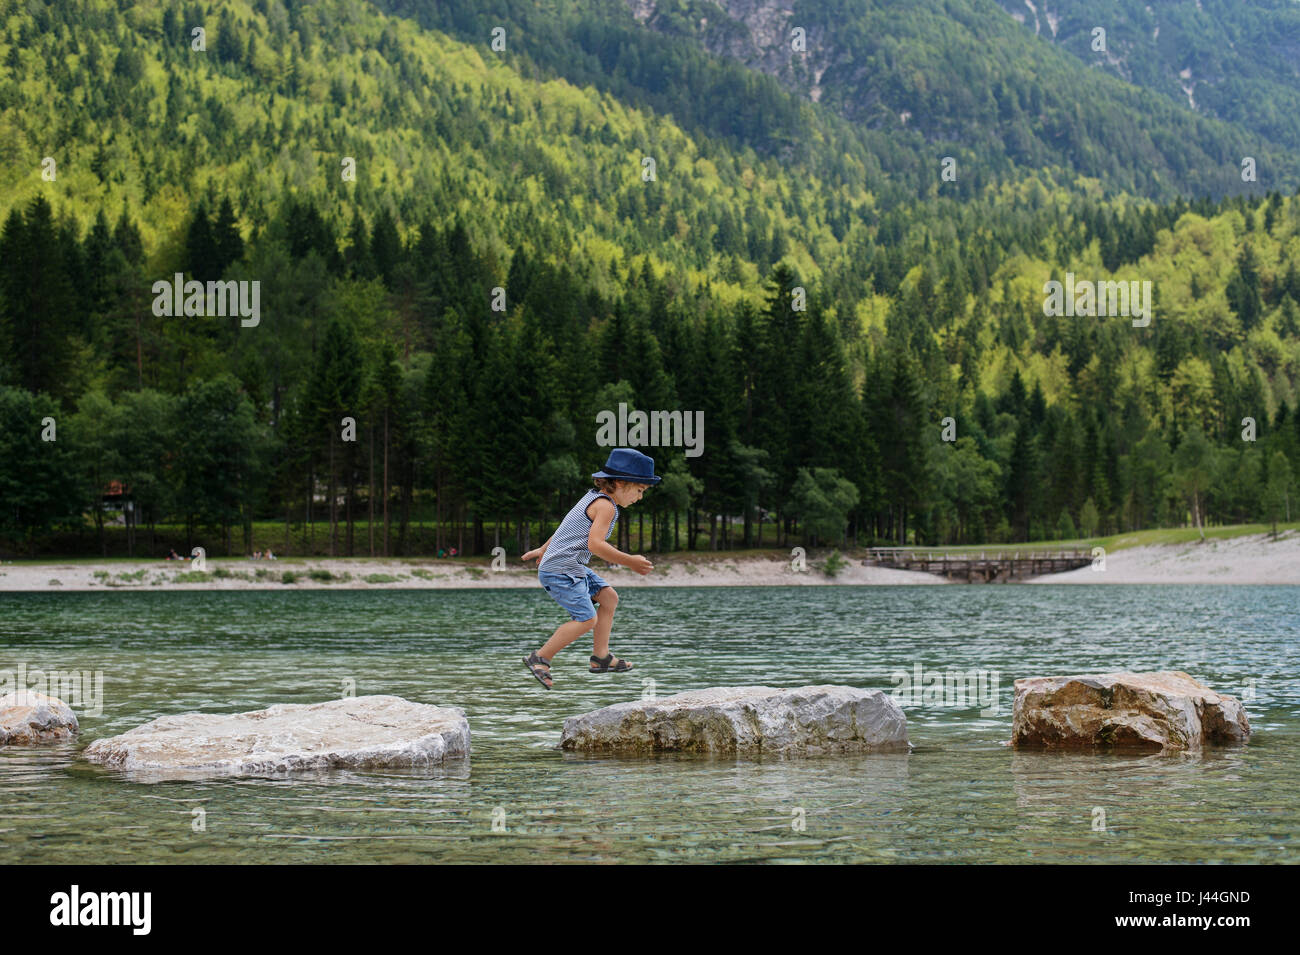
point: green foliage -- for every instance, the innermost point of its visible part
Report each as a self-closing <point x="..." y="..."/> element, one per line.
<point x="1277" y="493"/>
<point x="521" y="170"/>
<point x="822" y="500"/>
<point x="897" y="85"/>
<point x="834" y="564"/>
<point x="1225" y="59"/>
<point x="1089" y="518"/>
<point x="38" y="486"/>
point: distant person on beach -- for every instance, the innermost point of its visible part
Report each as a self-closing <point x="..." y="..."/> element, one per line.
<point x="173" y="555"/>
<point x="563" y="569"/>
<point x="268" y="556"/>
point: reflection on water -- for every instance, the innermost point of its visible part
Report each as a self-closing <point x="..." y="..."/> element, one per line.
<point x="961" y="795"/>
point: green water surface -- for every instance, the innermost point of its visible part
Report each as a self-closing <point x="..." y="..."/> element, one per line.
<point x="961" y="795"/>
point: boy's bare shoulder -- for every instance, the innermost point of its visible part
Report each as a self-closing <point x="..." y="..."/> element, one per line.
<point x="602" y="506"/>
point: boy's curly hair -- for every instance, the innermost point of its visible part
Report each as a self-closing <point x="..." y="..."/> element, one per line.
<point x="608" y="485"/>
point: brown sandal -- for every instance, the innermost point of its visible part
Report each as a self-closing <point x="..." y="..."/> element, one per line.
<point x="543" y="676"/>
<point x="601" y="665"/>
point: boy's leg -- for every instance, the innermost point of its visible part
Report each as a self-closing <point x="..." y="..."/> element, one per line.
<point x="608" y="603"/>
<point x="573" y="596"/>
<point x="564" y="635"/>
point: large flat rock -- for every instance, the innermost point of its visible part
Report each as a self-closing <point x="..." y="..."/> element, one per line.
<point x="806" y="721"/>
<point x="1156" y="711"/>
<point x="351" y="733"/>
<point x="30" y="717"/>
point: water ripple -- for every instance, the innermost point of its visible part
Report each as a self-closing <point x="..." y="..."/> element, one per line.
<point x="961" y="795"/>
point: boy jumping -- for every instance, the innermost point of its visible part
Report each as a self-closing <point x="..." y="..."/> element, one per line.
<point x="563" y="569"/>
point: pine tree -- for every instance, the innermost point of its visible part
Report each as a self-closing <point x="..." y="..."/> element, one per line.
<point x="357" y="258"/>
<point x="37" y="300"/>
<point x="334" y="392"/>
<point x="385" y="247"/>
<point x="1020" y="488"/>
<point x="1243" y="290"/>
<point x="228" y="243"/>
<point x="203" y="258"/>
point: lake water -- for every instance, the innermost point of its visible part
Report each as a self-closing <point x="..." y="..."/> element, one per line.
<point x="961" y="795"/>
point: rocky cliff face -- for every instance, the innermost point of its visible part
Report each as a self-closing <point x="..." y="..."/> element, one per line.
<point x="757" y="33"/>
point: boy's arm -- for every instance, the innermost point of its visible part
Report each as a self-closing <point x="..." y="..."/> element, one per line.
<point x="539" y="552"/>
<point x="601" y="512"/>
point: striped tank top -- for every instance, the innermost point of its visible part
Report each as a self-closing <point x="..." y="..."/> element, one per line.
<point x="568" y="553"/>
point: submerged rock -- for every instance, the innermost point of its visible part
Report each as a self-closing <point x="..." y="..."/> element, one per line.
<point x="356" y="732"/>
<point x="1166" y="711"/>
<point x="30" y="717"/>
<point x="806" y="721"/>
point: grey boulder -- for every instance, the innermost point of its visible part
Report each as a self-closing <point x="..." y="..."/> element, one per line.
<point x="351" y="733"/>
<point x="806" y="721"/>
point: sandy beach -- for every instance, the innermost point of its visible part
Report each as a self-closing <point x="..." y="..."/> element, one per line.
<point x="1248" y="559"/>
<point x="376" y="573"/>
<point x="1253" y="559"/>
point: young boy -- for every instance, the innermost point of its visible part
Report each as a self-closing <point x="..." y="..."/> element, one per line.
<point x="563" y="569"/>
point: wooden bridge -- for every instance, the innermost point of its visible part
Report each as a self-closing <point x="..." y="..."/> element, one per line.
<point x="985" y="566"/>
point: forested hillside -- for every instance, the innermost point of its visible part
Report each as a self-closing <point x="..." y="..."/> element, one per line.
<point x="478" y="170"/>
<point x="965" y="78"/>
<point x="1232" y="60"/>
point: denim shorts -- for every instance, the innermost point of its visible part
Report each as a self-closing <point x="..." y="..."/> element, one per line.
<point x="574" y="595"/>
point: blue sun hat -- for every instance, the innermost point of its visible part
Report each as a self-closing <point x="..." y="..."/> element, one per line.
<point x="628" y="464"/>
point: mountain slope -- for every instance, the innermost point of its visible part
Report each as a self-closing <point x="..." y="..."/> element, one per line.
<point x="478" y="169"/>
<point x="1234" y="60"/>
<point x="965" y="76"/>
<point x="132" y="117"/>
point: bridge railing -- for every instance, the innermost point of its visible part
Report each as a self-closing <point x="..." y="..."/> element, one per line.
<point x="910" y="554"/>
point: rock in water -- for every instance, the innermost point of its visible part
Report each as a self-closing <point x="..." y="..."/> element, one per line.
<point x="30" y="717"/>
<point x="1164" y="711"/>
<point x="357" y="732"/>
<point x="806" y="721"/>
